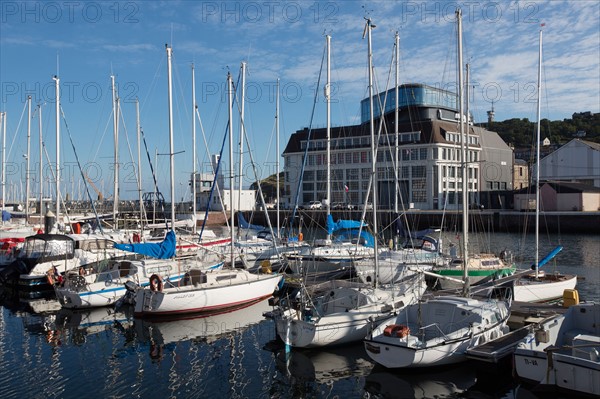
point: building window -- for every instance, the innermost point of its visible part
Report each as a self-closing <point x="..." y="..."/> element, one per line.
<point x="322" y="175"/>
<point x="352" y="174"/>
<point x="365" y="173"/>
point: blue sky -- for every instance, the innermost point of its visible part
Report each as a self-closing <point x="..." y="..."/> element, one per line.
<point x="87" y="42"/>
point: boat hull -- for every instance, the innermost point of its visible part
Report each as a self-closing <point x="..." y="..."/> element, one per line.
<point x="222" y="290"/>
<point x="436" y="332"/>
<point x="544" y="289"/>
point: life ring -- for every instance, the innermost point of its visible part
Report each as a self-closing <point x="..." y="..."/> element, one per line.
<point x="156" y="283"/>
<point x="396" y="330"/>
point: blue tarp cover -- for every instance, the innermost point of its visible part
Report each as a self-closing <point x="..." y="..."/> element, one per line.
<point x="6" y="216"/>
<point x="163" y="250"/>
<point x="243" y="224"/>
<point x="332" y="226"/>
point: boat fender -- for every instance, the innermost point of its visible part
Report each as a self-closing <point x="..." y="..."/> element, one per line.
<point x="396" y="330"/>
<point x="300" y="237"/>
<point x="156" y="283"/>
<point x="50" y="276"/>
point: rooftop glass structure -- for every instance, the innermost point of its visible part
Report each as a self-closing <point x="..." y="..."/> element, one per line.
<point x="410" y="95"/>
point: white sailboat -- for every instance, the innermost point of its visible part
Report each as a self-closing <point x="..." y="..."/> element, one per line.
<point x="329" y="255"/>
<point x="209" y="291"/>
<point x="341" y="312"/>
<point x="539" y="286"/>
<point x="439" y="331"/>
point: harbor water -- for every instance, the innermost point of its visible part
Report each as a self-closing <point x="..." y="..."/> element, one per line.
<point x="46" y="352"/>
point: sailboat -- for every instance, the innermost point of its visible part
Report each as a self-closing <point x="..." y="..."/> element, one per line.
<point x="340" y="312"/>
<point x="438" y="331"/>
<point x="539" y="286"/>
<point x="563" y="352"/>
<point x="482" y="267"/>
<point x="206" y="291"/>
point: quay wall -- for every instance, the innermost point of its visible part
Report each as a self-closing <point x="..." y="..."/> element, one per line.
<point x="489" y="220"/>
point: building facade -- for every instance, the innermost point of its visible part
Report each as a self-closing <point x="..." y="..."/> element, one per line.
<point x="577" y="161"/>
<point x="424" y="168"/>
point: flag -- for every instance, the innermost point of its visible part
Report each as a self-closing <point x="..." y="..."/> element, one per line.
<point x="346" y="187"/>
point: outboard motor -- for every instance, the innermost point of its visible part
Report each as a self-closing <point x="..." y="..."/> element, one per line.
<point x="10" y="274"/>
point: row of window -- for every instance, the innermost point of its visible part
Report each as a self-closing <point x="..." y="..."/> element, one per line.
<point x="405" y="154"/>
<point x="364" y="141"/>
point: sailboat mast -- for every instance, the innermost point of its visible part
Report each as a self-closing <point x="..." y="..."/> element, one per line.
<point x="537" y="157"/>
<point x="242" y="127"/>
<point x="277" y="151"/>
<point x="139" y="156"/>
<point x="369" y="28"/>
<point x="171" y="147"/>
<point x="41" y="165"/>
<point x="27" y="157"/>
<point x="328" y="103"/>
<point x="116" y="151"/>
<point x="231" y="176"/>
<point x="193" y="149"/>
<point x="57" y="80"/>
<point x="3" y="126"/>
<point x="396" y="149"/>
<point x="463" y="158"/>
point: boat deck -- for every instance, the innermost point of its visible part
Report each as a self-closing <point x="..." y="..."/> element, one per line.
<point x="523" y="316"/>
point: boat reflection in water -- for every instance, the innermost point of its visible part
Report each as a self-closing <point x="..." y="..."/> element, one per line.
<point x="432" y="383"/>
<point x="325" y="366"/>
<point x="73" y="326"/>
<point x="201" y="328"/>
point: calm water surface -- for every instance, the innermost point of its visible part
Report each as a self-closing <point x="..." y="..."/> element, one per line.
<point x="46" y="352"/>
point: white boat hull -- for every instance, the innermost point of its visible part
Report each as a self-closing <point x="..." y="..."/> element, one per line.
<point x="437" y="332"/>
<point x="222" y="290"/>
<point x="564" y="352"/>
<point x="346" y="315"/>
<point x="545" y="289"/>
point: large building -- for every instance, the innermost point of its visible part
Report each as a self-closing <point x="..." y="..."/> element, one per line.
<point x="429" y="156"/>
<point x="578" y="161"/>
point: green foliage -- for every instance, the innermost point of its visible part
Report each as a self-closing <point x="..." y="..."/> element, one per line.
<point x="269" y="187"/>
<point x="520" y="132"/>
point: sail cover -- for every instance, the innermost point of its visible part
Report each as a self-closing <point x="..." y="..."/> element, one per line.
<point x="332" y="226"/>
<point x="243" y="224"/>
<point x="163" y="250"/>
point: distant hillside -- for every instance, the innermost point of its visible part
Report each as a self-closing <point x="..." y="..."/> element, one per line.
<point x="269" y="187"/>
<point x="520" y="132"/>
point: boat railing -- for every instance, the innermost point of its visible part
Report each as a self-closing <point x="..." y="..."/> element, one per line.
<point x="429" y="328"/>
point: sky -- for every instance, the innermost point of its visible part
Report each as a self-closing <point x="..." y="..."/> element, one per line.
<point x="84" y="43"/>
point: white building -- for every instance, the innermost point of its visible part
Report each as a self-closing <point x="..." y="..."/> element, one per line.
<point x="247" y="203"/>
<point x="577" y="161"/>
<point x="429" y="157"/>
